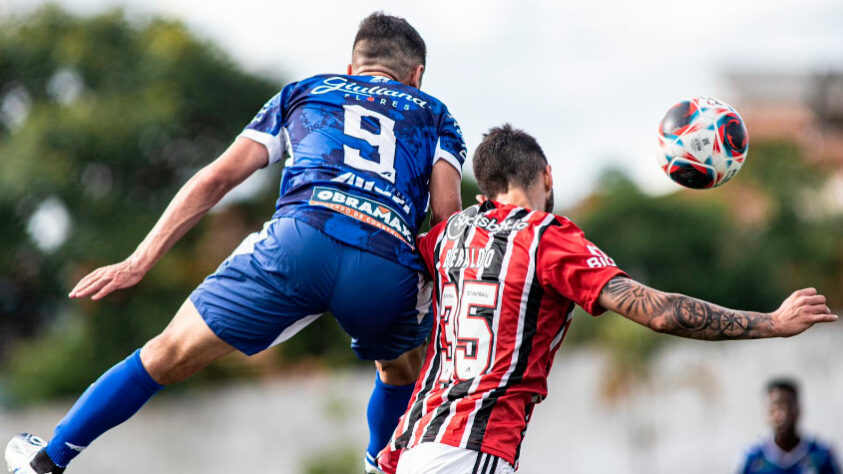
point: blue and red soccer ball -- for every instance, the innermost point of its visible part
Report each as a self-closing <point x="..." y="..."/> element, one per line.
<point x="702" y="143"/>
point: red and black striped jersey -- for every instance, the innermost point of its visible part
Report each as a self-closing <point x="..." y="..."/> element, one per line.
<point x="506" y="281"/>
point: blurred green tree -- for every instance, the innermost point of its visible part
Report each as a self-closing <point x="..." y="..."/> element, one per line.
<point x="701" y="244"/>
<point x="101" y="120"/>
<point x="802" y="238"/>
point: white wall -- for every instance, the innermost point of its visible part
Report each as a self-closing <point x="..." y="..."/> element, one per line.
<point x="697" y="411"/>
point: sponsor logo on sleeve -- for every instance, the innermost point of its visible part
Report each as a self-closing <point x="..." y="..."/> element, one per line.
<point x="600" y="259"/>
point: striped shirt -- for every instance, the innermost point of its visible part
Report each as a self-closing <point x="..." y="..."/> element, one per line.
<point x="506" y="281"/>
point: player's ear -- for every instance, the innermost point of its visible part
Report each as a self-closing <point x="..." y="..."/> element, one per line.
<point x="415" y="78"/>
<point x="548" y="178"/>
<point x="348" y="71"/>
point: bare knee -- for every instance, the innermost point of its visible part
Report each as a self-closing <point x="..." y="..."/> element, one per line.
<point x="403" y="370"/>
<point x="165" y="361"/>
<point x="186" y="346"/>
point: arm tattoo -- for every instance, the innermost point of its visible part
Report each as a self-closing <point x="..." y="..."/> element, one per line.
<point x="682" y="315"/>
<point x="633" y="297"/>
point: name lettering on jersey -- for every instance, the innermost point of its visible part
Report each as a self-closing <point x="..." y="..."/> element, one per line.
<point x="364" y="210"/>
<point x="352" y="179"/>
<point x="600" y="258"/>
<point x="392" y="103"/>
<point x="465" y="219"/>
<point x="469" y="257"/>
<point x="370" y="93"/>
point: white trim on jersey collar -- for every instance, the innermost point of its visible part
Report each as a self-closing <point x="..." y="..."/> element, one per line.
<point x="785" y="459"/>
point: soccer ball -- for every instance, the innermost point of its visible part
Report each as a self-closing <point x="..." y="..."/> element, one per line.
<point x="702" y="143"/>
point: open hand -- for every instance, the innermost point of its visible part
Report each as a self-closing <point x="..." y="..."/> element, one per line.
<point x="105" y="280"/>
<point x="800" y="311"/>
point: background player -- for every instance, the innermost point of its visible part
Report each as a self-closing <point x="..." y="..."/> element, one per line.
<point x="787" y="452"/>
<point x="507" y="275"/>
<point x="368" y="152"/>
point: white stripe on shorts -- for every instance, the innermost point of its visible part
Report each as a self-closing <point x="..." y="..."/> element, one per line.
<point x="438" y="458"/>
<point x="294" y="328"/>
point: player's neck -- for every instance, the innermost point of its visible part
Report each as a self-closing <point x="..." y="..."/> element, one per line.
<point x="375" y="72"/>
<point x="787" y="441"/>
<point x="518" y="197"/>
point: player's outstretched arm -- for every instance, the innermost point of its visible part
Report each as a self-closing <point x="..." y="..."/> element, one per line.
<point x="681" y="315"/>
<point x="445" y="196"/>
<point x="189" y="205"/>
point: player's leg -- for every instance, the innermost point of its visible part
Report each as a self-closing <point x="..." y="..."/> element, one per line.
<point x="384" y="307"/>
<point x="184" y="347"/>
<point x="121" y="391"/>
<point x="401" y="371"/>
<point x="251" y="302"/>
<point x="394" y="383"/>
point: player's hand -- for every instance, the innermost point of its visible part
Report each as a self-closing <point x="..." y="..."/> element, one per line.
<point x="105" y="280"/>
<point x="801" y="310"/>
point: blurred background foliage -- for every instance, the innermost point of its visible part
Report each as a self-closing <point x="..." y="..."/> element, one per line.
<point x="747" y="245"/>
<point x="102" y="119"/>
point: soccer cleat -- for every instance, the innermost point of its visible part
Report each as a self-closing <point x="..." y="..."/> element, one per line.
<point x="370" y="466"/>
<point x="24" y="455"/>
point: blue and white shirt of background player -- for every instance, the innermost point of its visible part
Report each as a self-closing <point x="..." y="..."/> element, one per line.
<point x="360" y="153"/>
<point x="810" y="456"/>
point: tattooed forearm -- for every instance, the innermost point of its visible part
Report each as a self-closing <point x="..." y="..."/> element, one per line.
<point x="682" y="315"/>
<point x="633" y="297"/>
<point x="702" y="320"/>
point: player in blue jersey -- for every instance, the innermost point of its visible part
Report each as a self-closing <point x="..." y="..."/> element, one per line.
<point x="367" y="156"/>
<point x="787" y="451"/>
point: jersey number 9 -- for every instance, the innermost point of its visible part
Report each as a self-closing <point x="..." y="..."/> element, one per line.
<point x="384" y="141"/>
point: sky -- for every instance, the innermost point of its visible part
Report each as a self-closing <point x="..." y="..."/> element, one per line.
<point x="590" y="80"/>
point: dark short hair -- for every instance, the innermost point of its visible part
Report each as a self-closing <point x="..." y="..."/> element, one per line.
<point x="784" y="383"/>
<point x="507" y="157"/>
<point x="390" y="41"/>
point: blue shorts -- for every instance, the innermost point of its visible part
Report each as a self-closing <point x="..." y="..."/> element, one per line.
<point x="281" y="279"/>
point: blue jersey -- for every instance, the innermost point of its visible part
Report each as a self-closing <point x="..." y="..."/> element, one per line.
<point x="808" y="457"/>
<point x="360" y="151"/>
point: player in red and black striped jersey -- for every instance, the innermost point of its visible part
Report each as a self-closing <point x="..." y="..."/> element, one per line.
<point x="506" y="278"/>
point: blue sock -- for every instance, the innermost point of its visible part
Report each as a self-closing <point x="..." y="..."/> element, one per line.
<point x="111" y="400"/>
<point x="386" y="405"/>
